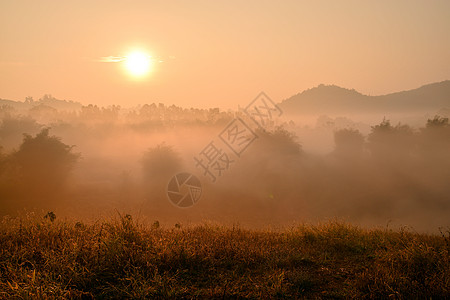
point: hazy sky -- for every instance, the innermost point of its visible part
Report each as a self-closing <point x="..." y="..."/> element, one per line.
<point x="219" y="53"/>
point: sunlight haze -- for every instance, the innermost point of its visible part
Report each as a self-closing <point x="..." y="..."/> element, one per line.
<point x="211" y="53"/>
<point x="224" y="149"/>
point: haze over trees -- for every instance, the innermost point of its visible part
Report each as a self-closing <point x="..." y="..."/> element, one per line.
<point x="98" y="159"/>
<point x="35" y="175"/>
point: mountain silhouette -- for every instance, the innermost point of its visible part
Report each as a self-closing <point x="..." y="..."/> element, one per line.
<point x="332" y="99"/>
<point x="323" y="99"/>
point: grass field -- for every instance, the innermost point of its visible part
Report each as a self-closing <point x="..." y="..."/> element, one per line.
<point x="120" y="258"/>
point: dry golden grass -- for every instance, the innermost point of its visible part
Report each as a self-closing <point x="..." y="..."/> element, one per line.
<point x="122" y="259"/>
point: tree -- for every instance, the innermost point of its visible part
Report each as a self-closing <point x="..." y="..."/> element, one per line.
<point x="7" y="182"/>
<point x="434" y="140"/>
<point x="391" y="143"/>
<point x="269" y="167"/>
<point x="278" y="142"/>
<point x="437" y="122"/>
<point x="3" y="168"/>
<point x="159" y="164"/>
<point x="349" y="143"/>
<point x="43" y="163"/>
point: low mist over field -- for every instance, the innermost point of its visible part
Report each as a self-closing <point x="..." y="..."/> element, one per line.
<point x="224" y="149"/>
<point x="86" y="161"/>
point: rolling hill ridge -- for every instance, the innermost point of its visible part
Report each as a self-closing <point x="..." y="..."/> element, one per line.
<point x="325" y="99"/>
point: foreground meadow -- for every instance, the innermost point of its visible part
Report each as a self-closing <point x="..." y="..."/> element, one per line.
<point x="121" y="258"/>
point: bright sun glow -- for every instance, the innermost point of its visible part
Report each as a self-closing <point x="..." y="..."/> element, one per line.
<point x="138" y="63"/>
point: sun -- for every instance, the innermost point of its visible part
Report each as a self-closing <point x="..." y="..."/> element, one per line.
<point x="138" y="64"/>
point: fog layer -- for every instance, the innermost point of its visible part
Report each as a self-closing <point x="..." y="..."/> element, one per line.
<point x="94" y="161"/>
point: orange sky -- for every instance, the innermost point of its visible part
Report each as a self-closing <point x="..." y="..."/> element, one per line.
<point x="219" y="53"/>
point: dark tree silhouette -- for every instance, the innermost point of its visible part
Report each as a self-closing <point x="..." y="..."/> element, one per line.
<point x="349" y="143"/>
<point x="437" y="122"/>
<point x="434" y="140"/>
<point x="389" y="143"/>
<point x="279" y="141"/>
<point x="43" y="163"/>
<point x="160" y="162"/>
<point x="270" y="165"/>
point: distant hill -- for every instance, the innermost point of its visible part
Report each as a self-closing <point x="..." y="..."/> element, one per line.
<point x="46" y="100"/>
<point x="331" y="99"/>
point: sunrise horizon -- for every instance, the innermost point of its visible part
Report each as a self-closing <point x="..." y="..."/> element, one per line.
<point x="78" y="53"/>
<point x="206" y="106"/>
<point x="294" y="149"/>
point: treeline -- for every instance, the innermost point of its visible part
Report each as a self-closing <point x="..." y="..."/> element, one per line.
<point x="92" y="120"/>
<point x="394" y="172"/>
<point x="145" y="116"/>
